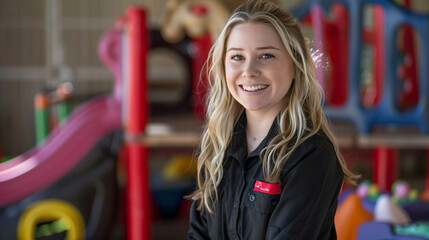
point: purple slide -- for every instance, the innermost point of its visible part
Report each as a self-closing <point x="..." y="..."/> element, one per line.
<point x="63" y="150"/>
<point x="67" y="145"/>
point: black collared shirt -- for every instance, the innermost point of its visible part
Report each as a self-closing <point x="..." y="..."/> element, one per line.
<point x="301" y="206"/>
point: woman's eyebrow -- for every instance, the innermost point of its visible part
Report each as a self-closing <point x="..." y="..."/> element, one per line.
<point x="268" y="47"/>
<point x="234" y="49"/>
<point x="258" y="48"/>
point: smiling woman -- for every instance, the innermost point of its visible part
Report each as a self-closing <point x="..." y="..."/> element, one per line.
<point x="269" y="167"/>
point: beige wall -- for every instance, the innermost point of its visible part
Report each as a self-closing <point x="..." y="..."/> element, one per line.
<point x="23" y="55"/>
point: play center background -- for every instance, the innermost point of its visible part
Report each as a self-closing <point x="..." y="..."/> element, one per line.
<point x="100" y="113"/>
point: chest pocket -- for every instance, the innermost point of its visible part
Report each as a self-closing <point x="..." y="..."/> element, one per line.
<point x="263" y="203"/>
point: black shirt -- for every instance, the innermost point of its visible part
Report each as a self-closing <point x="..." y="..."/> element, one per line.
<point x="305" y="208"/>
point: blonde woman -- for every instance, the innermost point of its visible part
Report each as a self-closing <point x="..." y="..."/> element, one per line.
<point x="269" y="167"/>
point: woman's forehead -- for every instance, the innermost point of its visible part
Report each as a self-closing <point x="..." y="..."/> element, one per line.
<point x="253" y="34"/>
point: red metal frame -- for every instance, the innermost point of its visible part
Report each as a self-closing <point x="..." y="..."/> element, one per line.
<point x="408" y="97"/>
<point x="138" y="194"/>
<point x="330" y="35"/>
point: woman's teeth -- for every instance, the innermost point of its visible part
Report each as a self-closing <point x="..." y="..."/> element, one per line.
<point x="254" y="88"/>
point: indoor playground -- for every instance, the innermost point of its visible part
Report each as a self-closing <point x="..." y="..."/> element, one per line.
<point x="102" y="109"/>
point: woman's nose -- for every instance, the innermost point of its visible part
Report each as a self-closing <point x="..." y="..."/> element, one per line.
<point x="250" y="69"/>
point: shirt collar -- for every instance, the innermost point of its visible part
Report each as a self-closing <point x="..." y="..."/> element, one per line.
<point x="238" y="146"/>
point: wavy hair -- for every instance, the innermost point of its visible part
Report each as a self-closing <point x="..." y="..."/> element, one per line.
<point x="301" y="116"/>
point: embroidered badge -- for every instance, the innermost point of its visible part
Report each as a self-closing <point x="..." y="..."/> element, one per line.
<point x="269" y="188"/>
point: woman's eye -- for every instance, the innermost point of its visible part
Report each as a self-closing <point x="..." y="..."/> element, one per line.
<point x="237" y="57"/>
<point x="266" y="56"/>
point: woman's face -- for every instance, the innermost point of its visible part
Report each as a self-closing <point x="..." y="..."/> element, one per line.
<point x="259" y="71"/>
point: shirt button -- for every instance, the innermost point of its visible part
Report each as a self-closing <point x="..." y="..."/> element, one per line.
<point x="235" y="204"/>
<point x="252" y="197"/>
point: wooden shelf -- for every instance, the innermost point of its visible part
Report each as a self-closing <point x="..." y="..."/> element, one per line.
<point x="174" y="139"/>
<point x="185" y="131"/>
<point x="182" y="130"/>
<point x="394" y="140"/>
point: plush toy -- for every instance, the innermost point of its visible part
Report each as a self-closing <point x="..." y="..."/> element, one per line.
<point x="194" y="18"/>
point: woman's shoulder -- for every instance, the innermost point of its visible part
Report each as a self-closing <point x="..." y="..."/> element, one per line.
<point x="317" y="151"/>
<point x="315" y="143"/>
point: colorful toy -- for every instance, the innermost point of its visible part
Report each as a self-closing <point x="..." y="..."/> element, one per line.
<point x="180" y="167"/>
<point x="386" y="210"/>
<point x="407" y="212"/>
<point x="400" y="189"/>
<point x="363" y="189"/>
<point x="402" y="193"/>
<point x="369" y="194"/>
<point x="69" y="220"/>
<point x="43" y="102"/>
<point x="41" y="105"/>
<point x="350" y="215"/>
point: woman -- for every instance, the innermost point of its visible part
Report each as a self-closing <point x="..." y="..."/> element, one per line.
<point x="269" y="167"/>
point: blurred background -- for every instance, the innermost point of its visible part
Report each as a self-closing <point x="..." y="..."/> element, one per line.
<point x="47" y="42"/>
<point x="50" y="55"/>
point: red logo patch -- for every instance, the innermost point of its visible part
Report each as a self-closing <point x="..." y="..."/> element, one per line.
<point x="267" y="187"/>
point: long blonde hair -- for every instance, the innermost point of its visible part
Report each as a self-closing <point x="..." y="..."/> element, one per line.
<point x="301" y="117"/>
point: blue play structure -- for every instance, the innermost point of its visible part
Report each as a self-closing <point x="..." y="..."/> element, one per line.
<point x="348" y="44"/>
<point x="386" y="111"/>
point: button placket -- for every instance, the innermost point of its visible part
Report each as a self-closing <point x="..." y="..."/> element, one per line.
<point x="236" y="204"/>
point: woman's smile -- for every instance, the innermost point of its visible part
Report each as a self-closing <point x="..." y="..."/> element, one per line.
<point x="254" y="88"/>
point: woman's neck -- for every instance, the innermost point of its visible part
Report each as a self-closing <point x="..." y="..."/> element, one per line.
<point x="257" y="128"/>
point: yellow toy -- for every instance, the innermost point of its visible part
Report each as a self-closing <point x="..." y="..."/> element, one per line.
<point x="180" y="167"/>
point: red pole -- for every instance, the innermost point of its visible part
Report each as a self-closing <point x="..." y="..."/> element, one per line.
<point x="385" y="167"/>
<point x="202" y="45"/>
<point x="200" y="86"/>
<point x="138" y="193"/>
